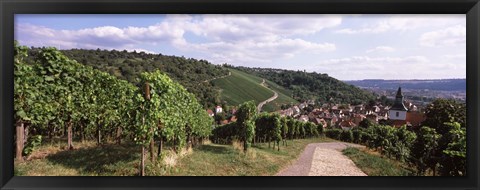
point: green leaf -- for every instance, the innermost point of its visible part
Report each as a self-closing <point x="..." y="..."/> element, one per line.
<point x="49" y="78"/>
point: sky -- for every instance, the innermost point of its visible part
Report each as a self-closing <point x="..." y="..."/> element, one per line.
<point x="346" y="47"/>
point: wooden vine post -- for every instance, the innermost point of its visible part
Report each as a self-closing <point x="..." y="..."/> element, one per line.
<point x="70" y="136"/>
<point x="147" y="97"/>
<point x="20" y="132"/>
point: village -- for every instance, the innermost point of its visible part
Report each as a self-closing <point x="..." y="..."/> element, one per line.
<point x="344" y="116"/>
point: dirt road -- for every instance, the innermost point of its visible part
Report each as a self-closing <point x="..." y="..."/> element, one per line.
<point x="261" y="104"/>
<point x="323" y="159"/>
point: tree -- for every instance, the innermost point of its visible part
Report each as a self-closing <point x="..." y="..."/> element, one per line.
<point x="443" y="110"/>
<point x="453" y="160"/>
<point x="366" y="123"/>
<point x="424" y="150"/>
<point x="246" y="122"/>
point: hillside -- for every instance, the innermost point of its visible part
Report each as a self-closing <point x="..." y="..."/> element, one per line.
<point x="440" y="84"/>
<point x="304" y="85"/>
<point x="241" y="87"/>
<point x="129" y="65"/>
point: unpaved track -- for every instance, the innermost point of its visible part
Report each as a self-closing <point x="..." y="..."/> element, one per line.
<point x="323" y="159"/>
<point x="275" y="96"/>
<point x="229" y="73"/>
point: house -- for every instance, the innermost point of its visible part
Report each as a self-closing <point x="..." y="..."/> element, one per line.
<point x="302" y="105"/>
<point x="233" y="119"/>
<point x="358" y="108"/>
<point x="337" y="112"/>
<point x="303" y="118"/>
<point x="210" y="113"/>
<point x="334" y="120"/>
<point x="347" y="125"/>
<point x="296" y="111"/>
<point x="218" y="109"/>
<point x="224" y="122"/>
<point x="311" y="102"/>
<point x="372" y="117"/>
<point x="286" y="112"/>
<point x="415" y="118"/>
<point x="357" y="118"/>
<point x="320" y="121"/>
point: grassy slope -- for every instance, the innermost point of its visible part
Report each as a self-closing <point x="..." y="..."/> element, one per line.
<point x="376" y="165"/>
<point x="241" y="87"/>
<point x="284" y="97"/>
<point x="205" y="160"/>
<point x="225" y="160"/>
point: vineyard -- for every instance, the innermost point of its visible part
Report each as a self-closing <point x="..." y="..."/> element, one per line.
<point x="100" y="118"/>
<point x="269" y="127"/>
<point x="57" y="96"/>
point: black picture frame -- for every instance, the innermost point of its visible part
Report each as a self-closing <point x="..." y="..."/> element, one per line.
<point x="10" y="7"/>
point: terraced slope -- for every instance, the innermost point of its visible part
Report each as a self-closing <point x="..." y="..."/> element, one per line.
<point x="241" y="87"/>
<point x="284" y="97"/>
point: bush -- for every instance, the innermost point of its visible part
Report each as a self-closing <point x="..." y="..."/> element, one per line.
<point x="320" y="129"/>
<point x="346" y="136"/>
<point x="357" y="136"/>
<point x="333" y="133"/>
<point x="33" y="142"/>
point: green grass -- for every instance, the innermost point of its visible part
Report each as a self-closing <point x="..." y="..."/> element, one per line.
<point x="123" y="160"/>
<point x="375" y="164"/>
<point x="241" y="87"/>
<point x="86" y="160"/>
<point x="284" y="97"/>
<point x="226" y="160"/>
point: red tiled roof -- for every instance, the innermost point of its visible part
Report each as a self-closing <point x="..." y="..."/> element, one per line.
<point x="399" y="123"/>
<point x="210" y="112"/>
<point x="415" y="118"/>
<point x="233" y="119"/>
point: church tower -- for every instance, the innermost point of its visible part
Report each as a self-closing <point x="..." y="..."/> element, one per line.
<point x="398" y="110"/>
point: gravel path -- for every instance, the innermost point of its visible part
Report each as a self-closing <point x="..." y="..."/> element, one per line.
<point x="229" y="73"/>
<point x="323" y="159"/>
<point x="275" y="96"/>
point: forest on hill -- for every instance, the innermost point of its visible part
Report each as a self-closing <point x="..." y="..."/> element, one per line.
<point x="305" y="85"/>
<point x="128" y="66"/>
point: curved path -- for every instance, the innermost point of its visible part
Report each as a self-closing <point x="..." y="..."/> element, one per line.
<point x="275" y="96"/>
<point x="324" y="159"/>
<point x="229" y="73"/>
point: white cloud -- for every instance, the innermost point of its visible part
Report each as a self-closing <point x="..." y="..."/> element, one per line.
<point x="249" y="51"/>
<point x="405" y="23"/>
<point x="381" y="49"/>
<point x="229" y="38"/>
<point x="452" y="36"/>
<point x="366" y="67"/>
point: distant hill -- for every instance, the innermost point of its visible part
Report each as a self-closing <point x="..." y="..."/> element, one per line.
<point x="241" y="87"/>
<point x="316" y="86"/>
<point x="440" y="85"/>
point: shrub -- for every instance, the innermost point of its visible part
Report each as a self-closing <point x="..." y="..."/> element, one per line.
<point x="333" y="133"/>
<point x="357" y="135"/>
<point x="346" y="136"/>
<point x="33" y="142"/>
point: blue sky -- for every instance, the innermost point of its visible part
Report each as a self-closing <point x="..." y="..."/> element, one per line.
<point x="347" y="47"/>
